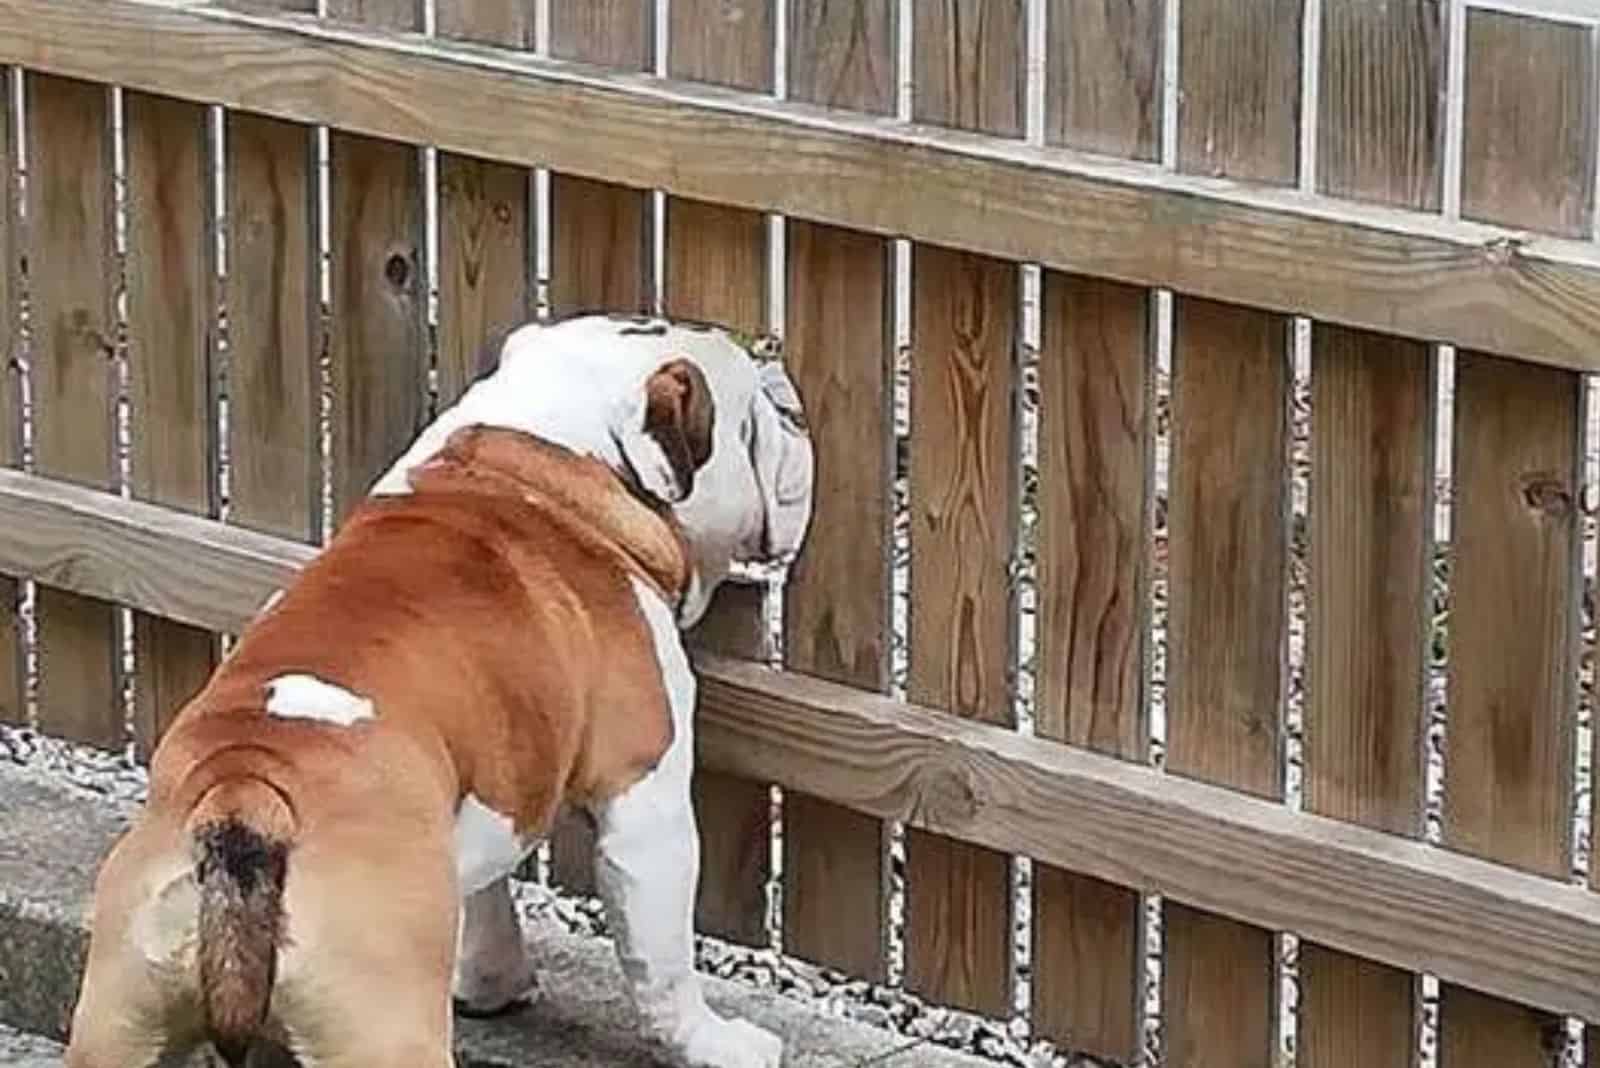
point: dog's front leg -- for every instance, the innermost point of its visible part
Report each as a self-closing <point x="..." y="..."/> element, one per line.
<point x="647" y="865"/>
<point x="493" y="972"/>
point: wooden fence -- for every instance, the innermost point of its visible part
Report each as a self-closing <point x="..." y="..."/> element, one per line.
<point x="1197" y="179"/>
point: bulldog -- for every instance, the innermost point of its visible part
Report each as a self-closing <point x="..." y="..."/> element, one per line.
<point x="493" y="634"/>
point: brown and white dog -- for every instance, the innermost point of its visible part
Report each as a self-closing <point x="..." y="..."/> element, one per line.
<point x="492" y="634"/>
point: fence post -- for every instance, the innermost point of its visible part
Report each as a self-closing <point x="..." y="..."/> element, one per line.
<point x="172" y="310"/>
<point x="1378" y="138"/>
<point x="840" y="351"/>
<point x="72" y="283"/>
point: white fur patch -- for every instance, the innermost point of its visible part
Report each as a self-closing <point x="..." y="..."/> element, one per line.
<point x="487" y="845"/>
<point x="308" y="697"/>
<point x="647" y="867"/>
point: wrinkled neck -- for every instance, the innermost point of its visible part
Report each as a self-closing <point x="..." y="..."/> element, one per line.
<point x="577" y="492"/>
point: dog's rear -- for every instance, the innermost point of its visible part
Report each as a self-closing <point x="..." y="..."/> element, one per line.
<point x="188" y="924"/>
<point x="222" y="918"/>
<point x="241" y="833"/>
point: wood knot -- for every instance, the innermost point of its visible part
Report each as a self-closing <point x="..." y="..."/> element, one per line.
<point x="397" y="269"/>
<point x="502" y="213"/>
<point x="947" y="797"/>
<point x="1546" y="495"/>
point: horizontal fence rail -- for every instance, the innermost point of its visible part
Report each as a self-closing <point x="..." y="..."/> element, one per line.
<point x="1400" y="272"/>
<point x="1474" y="923"/>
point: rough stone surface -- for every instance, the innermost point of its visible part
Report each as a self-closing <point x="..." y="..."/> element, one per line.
<point x="52" y="838"/>
<point x="20" y="1050"/>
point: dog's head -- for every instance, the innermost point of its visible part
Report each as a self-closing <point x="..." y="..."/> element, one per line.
<point x="695" y="420"/>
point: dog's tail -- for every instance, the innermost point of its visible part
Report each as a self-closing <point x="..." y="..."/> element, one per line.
<point x="241" y="829"/>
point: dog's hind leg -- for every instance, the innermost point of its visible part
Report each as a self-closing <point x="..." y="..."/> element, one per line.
<point x="137" y="1002"/>
<point x="364" y="975"/>
<point x="648" y="866"/>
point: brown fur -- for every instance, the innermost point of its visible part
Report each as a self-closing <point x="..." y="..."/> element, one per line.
<point x="489" y="618"/>
<point x="680" y="416"/>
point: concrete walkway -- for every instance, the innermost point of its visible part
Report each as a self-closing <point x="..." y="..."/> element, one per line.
<point x="52" y="837"/>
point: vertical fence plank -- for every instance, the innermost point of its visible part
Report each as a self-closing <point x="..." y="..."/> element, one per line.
<point x="1369" y="597"/>
<point x="1239" y="89"/>
<point x="600" y="232"/>
<point x="1379" y="139"/>
<point x="963" y="338"/>
<point x="485" y="265"/>
<point x="1380" y="134"/>
<point x="843" y="55"/>
<point x="734" y="814"/>
<point x="968" y="64"/>
<point x="1509" y="768"/>
<point x="1103" y="77"/>
<point x="379" y="346"/>
<point x="1102" y="94"/>
<point x="716" y="270"/>
<point x="1093" y="382"/>
<point x="171" y="305"/>
<point x="1239" y="83"/>
<point x="1527" y="160"/>
<point x="272" y="327"/>
<point x="72" y="281"/>
<point x="13" y="708"/>
<point x="840" y="349"/>
<point x="724" y="42"/>
<point x="1228" y="539"/>
<point x="969" y="72"/>
<point x="1529" y="137"/>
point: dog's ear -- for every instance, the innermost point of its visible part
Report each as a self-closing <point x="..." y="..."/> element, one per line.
<point x="674" y="440"/>
<point x="785" y="463"/>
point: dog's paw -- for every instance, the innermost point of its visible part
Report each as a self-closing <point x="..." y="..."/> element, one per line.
<point x="723" y="1043"/>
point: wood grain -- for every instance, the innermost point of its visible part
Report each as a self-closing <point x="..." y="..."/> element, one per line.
<point x="380" y="359"/>
<point x="1529" y="130"/>
<point x="1239" y="89"/>
<point x="842" y="55"/>
<point x="13" y="705"/>
<point x="1528" y="156"/>
<point x="1103" y="76"/>
<point x="172" y="304"/>
<point x="485" y="262"/>
<point x="508" y="23"/>
<point x="612" y="33"/>
<point x="1508" y="773"/>
<point x="72" y="281"/>
<point x="274" y="340"/>
<point x="716" y="271"/>
<point x="734" y="813"/>
<point x="387" y="14"/>
<point x="1381" y="128"/>
<point x="968" y="64"/>
<point x="1413" y="906"/>
<point x="840" y="351"/>
<point x="723" y="42"/>
<point x="380" y="347"/>
<point x="1380" y="138"/>
<point x="837" y="623"/>
<point x="1094" y="387"/>
<point x="600" y="236"/>
<point x="1227" y="553"/>
<point x="964" y="312"/>
<point x="1370" y="514"/>
<point x="1357" y="265"/>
